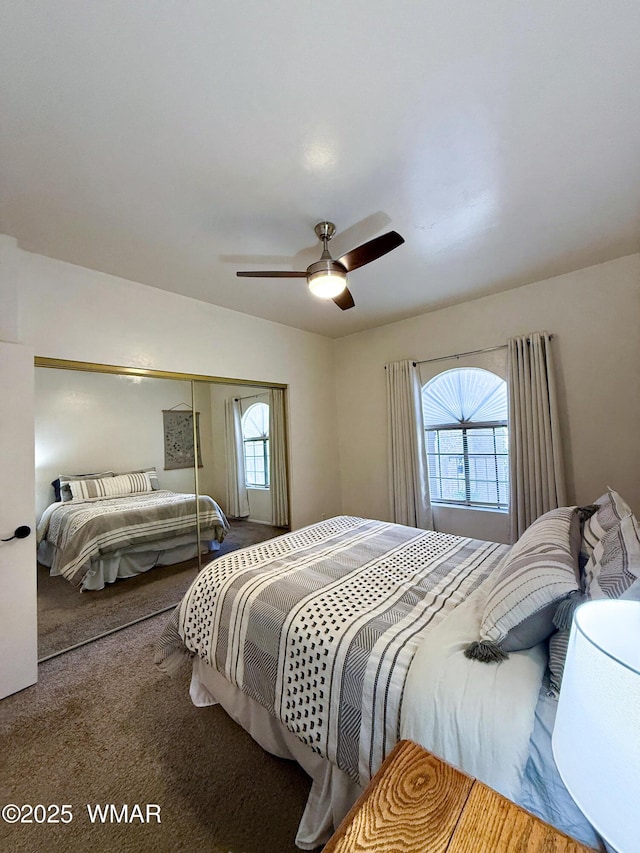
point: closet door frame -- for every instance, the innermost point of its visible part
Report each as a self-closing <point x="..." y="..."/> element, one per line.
<point x="18" y="609"/>
<point x="122" y="370"/>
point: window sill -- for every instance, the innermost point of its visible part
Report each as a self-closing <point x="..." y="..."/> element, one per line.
<point x="446" y="505"/>
<point x="258" y="488"/>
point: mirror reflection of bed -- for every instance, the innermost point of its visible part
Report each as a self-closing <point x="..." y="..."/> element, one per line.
<point x="122" y="524"/>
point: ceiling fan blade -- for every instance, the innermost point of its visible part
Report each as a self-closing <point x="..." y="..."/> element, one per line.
<point x="273" y="274"/>
<point x="371" y="251"/>
<point x="344" y="300"/>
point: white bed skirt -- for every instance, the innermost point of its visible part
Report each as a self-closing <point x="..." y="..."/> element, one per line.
<point x="136" y="560"/>
<point x="332" y="791"/>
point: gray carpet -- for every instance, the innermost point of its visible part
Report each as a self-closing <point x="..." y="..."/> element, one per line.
<point x="66" y="616"/>
<point x="104" y="726"/>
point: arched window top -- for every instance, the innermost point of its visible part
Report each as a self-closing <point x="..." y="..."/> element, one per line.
<point x="255" y="421"/>
<point x="464" y="395"/>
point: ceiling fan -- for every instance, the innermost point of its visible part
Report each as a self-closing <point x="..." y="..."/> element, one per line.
<point x="327" y="278"/>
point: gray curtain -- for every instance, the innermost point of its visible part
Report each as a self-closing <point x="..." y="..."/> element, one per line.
<point x="408" y="483"/>
<point x="237" y="497"/>
<point x="277" y="459"/>
<point x="536" y="464"/>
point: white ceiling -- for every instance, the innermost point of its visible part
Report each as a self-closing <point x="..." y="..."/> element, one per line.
<point x="173" y="142"/>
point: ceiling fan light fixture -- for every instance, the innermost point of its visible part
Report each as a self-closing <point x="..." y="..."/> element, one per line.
<point x="327" y="285"/>
<point x="326" y="278"/>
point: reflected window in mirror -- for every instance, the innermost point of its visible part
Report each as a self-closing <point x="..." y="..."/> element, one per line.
<point x="255" y="434"/>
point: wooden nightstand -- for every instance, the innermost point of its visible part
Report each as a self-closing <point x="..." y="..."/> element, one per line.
<point x="417" y="803"/>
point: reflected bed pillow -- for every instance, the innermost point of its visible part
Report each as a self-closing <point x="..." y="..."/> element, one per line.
<point x="539" y="572"/>
<point x="153" y="475"/>
<point x="61" y="483"/>
<point x="110" y="487"/>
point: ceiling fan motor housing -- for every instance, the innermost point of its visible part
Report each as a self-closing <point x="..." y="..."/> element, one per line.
<point x="326" y="266"/>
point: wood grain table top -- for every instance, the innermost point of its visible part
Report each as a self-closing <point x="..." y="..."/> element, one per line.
<point x="417" y="803"/>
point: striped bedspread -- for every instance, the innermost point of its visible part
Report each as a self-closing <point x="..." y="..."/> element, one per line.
<point x="85" y="530"/>
<point x="320" y="626"/>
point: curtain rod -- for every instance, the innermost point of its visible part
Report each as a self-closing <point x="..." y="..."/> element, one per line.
<point x="251" y="396"/>
<point x="462" y="354"/>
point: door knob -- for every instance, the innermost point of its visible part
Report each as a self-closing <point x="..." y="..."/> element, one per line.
<point x="19" y="533"/>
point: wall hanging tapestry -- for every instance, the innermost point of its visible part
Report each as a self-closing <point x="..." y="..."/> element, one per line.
<point x="178" y="439"/>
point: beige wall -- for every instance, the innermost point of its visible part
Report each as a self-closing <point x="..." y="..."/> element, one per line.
<point x="594" y="315"/>
<point x="66" y="311"/>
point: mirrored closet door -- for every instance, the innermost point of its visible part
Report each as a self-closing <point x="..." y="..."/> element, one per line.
<point x="119" y="500"/>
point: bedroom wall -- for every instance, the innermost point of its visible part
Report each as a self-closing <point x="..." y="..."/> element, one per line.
<point x="595" y="316"/>
<point x="66" y="311"/>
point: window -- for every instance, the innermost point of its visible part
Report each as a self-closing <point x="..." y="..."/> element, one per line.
<point x="466" y="432"/>
<point x="255" y="434"/>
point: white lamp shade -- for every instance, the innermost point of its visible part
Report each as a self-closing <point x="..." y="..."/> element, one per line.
<point x="596" y="738"/>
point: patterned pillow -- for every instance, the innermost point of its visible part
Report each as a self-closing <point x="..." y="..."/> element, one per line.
<point x="61" y="483"/>
<point x="558" y="647"/>
<point x="611" y="509"/>
<point x="153" y="475"/>
<point x="613" y="569"/>
<point x="110" y="487"/>
<point x="535" y="576"/>
<point x="615" y="562"/>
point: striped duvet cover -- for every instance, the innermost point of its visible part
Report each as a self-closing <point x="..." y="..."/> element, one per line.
<point x="320" y="626"/>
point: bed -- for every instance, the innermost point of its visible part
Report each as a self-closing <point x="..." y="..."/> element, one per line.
<point x="331" y="643"/>
<point x="118" y="526"/>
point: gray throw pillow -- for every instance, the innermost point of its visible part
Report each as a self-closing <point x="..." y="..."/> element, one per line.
<point x="527" y="587"/>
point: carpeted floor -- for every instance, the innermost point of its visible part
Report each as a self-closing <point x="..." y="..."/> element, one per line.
<point x="103" y="725"/>
<point x="66" y="616"/>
